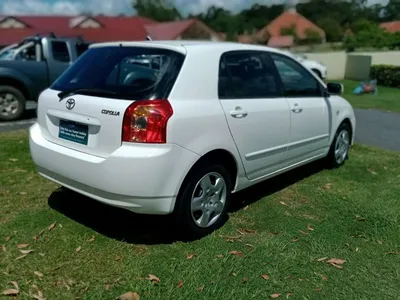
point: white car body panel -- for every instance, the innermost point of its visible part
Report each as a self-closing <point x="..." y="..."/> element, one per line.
<point x="270" y="140"/>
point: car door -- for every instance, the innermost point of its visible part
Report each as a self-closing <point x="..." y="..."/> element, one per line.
<point x="32" y="65"/>
<point x="309" y="110"/>
<point x="257" y="114"/>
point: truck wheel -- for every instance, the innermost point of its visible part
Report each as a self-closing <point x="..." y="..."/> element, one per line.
<point x="203" y="203"/>
<point x="12" y="103"/>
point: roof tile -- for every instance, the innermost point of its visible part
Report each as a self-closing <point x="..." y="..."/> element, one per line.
<point x="391" y="26"/>
<point x="113" y="28"/>
<point x="288" y="19"/>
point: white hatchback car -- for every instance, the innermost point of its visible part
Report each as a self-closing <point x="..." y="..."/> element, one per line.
<point x="209" y="119"/>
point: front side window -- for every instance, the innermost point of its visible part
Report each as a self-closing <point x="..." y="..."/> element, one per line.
<point x="247" y="75"/>
<point x="128" y="72"/>
<point x="28" y="53"/>
<point x="297" y="81"/>
<point x="7" y="55"/>
<point x="60" y="51"/>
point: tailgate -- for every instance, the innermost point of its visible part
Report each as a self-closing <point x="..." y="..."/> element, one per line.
<point x="97" y="89"/>
<point x="88" y="124"/>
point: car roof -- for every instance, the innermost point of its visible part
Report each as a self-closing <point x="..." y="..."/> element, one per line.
<point x="184" y="45"/>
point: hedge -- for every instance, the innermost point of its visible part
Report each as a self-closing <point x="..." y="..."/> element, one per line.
<point x="386" y="75"/>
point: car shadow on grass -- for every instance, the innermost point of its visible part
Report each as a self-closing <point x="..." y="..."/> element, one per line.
<point x="113" y="222"/>
<point x="134" y="228"/>
<point x="273" y="185"/>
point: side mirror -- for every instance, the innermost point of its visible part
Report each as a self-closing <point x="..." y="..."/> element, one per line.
<point x="335" y="88"/>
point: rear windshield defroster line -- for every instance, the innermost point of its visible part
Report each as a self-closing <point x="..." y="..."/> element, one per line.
<point x="131" y="73"/>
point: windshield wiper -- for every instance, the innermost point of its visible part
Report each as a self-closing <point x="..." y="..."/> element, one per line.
<point x="85" y="91"/>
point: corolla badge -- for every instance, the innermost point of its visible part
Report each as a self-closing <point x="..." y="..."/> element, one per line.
<point x="70" y="104"/>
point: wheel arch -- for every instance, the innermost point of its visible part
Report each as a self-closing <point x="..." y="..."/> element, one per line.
<point x="220" y="156"/>
<point x="15" y="83"/>
<point x="347" y="122"/>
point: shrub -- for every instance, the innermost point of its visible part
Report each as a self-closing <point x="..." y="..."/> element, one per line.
<point x="386" y="75"/>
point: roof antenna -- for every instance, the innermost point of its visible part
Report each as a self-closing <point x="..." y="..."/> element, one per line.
<point x="148" y="38"/>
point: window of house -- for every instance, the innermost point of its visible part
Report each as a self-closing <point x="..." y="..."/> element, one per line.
<point x="249" y="74"/>
<point x="60" y="51"/>
<point x="297" y="81"/>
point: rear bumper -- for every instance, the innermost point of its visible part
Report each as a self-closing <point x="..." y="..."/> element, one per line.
<point x="137" y="177"/>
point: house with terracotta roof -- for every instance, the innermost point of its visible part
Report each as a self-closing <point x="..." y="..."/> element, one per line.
<point x="287" y="27"/>
<point x="391" y="26"/>
<point x="13" y="29"/>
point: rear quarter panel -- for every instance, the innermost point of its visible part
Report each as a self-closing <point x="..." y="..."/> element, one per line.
<point x="198" y="122"/>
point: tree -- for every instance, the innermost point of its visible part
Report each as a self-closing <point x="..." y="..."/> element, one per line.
<point x="392" y="10"/>
<point x="290" y="30"/>
<point x="258" y="16"/>
<point x="332" y="28"/>
<point x="370" y="35"/>
<point x="159" y="10"/>
<point x="312" y="36"/>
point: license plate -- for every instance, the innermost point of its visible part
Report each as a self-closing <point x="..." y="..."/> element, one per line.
<point x="74" y="132"/>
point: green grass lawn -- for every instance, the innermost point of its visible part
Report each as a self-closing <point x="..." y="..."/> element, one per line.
<point x="387" y="99"/>
<point x="280" y="229"/>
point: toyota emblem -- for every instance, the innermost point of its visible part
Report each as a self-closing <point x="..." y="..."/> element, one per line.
<point x="70" y="104"/>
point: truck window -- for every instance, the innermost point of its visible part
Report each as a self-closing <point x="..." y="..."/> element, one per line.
<point x="27" y="54"/>
<point x="81" y="48"/>
<point x="60" y="51"/>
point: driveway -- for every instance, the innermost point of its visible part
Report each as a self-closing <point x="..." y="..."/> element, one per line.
<point x="378" y="128"/>
<point x="374" y="128"/>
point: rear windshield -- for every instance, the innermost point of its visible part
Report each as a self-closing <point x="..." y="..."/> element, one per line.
<point x="130" y="72"/>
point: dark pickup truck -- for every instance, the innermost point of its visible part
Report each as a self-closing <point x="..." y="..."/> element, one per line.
<point x="26" y="69"/>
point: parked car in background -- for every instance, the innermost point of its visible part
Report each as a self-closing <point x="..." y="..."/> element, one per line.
<point x="28" y="68"/>
<point x="211" y="120"/>
<point x="317" y="67"/>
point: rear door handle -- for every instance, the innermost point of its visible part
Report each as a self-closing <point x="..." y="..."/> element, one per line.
<point x="296" y="108"/>
<point x="238" y="113"/>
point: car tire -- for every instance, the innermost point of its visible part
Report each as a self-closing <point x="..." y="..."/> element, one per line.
<point x="11" y="99"/>
<point x="212" y="201"/>
<point x="339" y="150"/>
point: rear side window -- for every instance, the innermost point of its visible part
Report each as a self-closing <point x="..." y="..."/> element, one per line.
<point x="130" y="72"/>
<point x="60" y="51"/>
<point x="247" y="75"/>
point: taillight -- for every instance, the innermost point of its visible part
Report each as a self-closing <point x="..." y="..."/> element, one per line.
<point x="145" y="121"/>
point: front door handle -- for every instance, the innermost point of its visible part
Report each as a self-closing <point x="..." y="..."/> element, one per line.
<point x="238" y="113"/>
<point x="296" y="108"/>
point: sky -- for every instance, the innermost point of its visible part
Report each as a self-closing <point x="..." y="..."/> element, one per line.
<point x="115" y="7"/>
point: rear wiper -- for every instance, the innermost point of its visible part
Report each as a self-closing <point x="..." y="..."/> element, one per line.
<point x="83" y="91"/>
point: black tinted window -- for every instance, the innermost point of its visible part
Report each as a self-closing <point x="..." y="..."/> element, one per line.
<point x="131" y="72"/>
<point x="297" y="81"/>
<point x="60" y="51"/>
<point x="247" y="75"/>
<point x="81" y="48"/>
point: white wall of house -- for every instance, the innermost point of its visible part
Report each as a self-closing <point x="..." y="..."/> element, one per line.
<point x="89" y="23"/>
<point x="11" y="23"/>
<point x="336" y="62"/>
